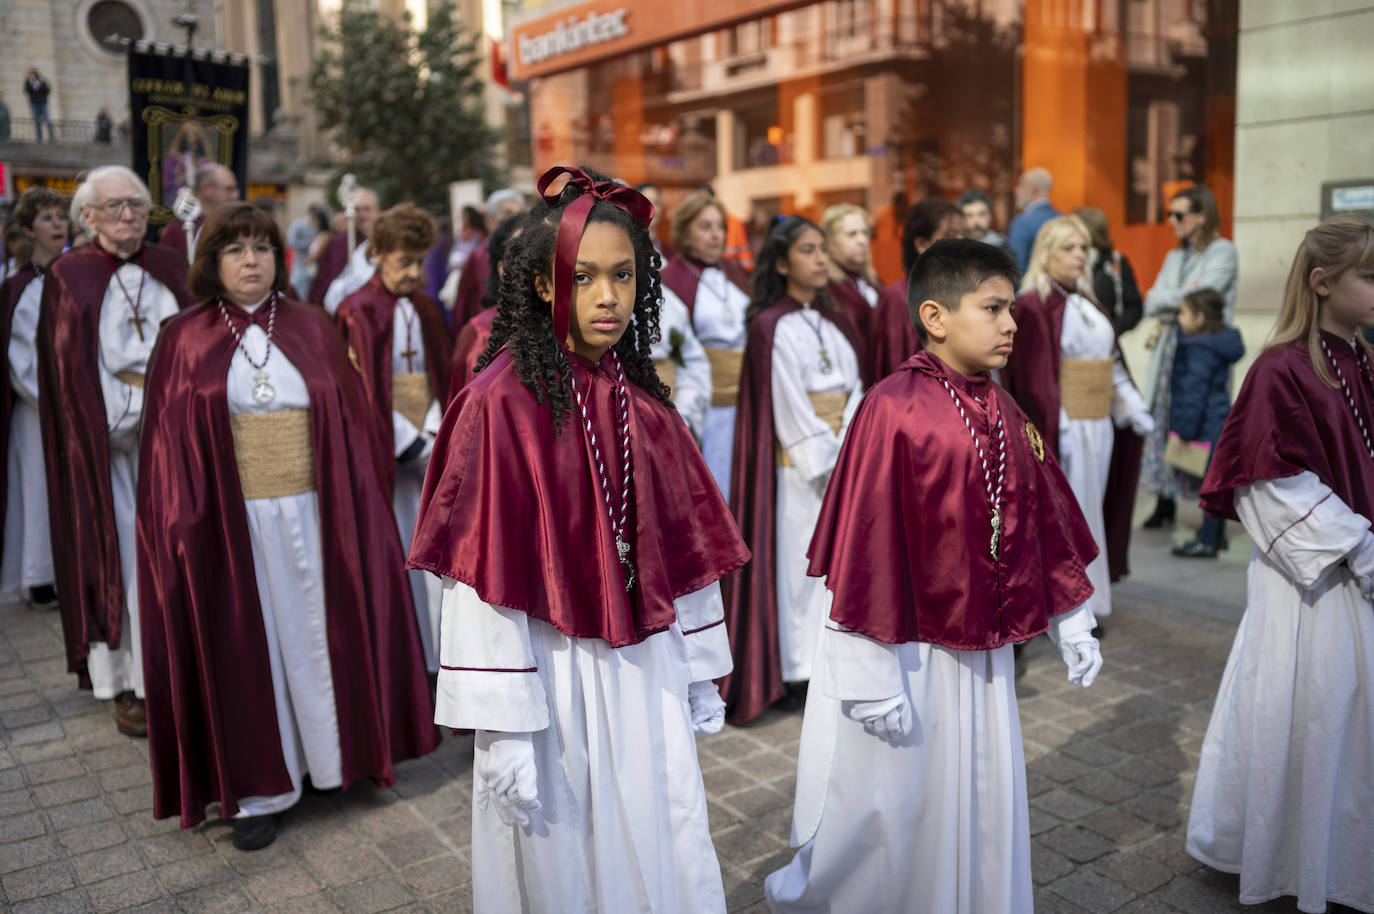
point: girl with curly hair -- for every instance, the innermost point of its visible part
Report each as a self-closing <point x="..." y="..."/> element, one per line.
<point x="799" y="388"/>
<point x="581" y="540"/>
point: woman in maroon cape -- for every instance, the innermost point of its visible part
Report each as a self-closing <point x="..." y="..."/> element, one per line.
<point x="1283" y="791"/>
<point x="279" y="637"/>
<point x="398" y="334"/>
<point x="582" y="541"/>
<point x="893" y="339"/>
<point x="854" y="285"/>
<point x="801" y="385"/>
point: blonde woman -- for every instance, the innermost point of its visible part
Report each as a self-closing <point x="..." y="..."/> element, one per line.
<point x="1067" y="373"/>
<point x="854" y="284"/>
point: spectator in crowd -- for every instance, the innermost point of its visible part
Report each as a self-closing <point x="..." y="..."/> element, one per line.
<point x="1200" y="399"/>
<point x="1033" y="200"/>
<point x="103" y="126"/>
<point x="4" y="119"/>
<point x="976" y="206"/>
<point x="472" y="234"/>
<point x="472" y="282"/>
<point x="37" y="89"/>
<point x="1202" y="260"/>
<point x="1113" y="280"/>
<point x="300" y="238"/>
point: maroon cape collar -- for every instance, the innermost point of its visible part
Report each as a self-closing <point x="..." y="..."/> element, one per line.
<point x="683" y="275"/>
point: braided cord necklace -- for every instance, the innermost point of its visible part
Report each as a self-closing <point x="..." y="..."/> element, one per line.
<point x="263" y="391"/>
<point x="135" y="303"/>
<point x="994" y="492"/>
<point x="618" y="518"/>
<point x="1349" y="396"/>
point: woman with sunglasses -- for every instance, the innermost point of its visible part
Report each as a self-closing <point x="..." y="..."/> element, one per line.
<point x="1202" y="260"/>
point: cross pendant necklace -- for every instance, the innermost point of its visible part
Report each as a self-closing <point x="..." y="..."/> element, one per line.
<point x="138" y="320"/>
<point x="994" y="493"/>
<point x="409" y="353"/>
<point x="825" y="364"/>
<point x="618" y="519"/>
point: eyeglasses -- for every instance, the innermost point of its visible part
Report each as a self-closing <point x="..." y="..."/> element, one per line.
<point x="1178" y="216"/>
<point x="113" y="208"/>
<point x="240" y="251"/>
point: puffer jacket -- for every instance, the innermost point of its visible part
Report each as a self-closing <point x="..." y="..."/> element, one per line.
<point x="1200" y="399"/>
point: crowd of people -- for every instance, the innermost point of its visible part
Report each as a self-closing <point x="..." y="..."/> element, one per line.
<point x="587" y="479"/>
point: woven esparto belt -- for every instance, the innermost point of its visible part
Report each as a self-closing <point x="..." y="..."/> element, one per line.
<point x="1085" y="388"/>
<point x="274" y="452"/>
<point x="829" y="408"/>
<point x="411" y="396"/>
<point x="726" y="365"/>
<point x="667" y="373"/>
<point x="132" y="378"/>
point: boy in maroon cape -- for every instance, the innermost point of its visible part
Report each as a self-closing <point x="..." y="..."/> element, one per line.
<point x="947" y="534"/>
<point x="103" y="305"/>
<point x="402" y="345"/>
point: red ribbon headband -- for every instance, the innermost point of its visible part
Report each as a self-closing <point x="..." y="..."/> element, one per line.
<point x="574" y="222"/>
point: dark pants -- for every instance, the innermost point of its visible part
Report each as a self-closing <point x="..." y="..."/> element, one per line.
<point x="40" y="117"/>
<point x="1210" y="532"/>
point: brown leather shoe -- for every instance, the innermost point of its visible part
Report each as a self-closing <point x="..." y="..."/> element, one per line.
<point x="130" y="715"/>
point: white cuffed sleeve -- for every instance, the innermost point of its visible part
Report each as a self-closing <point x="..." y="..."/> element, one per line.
<point x="859" y="668"/>
<point x="701" y="615"/>
<point x="488" y="675"/>
<point x="1074" y="622"/>
<point x="1300" y="525"/>
<point x="1126" y="400"/>
<point x="810" y="443"/>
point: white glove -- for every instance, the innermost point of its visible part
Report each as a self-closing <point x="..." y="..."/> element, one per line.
<point x="1082" y="655"/>
<point x="1142" y="423"/>
<point x="708" y="708"/>
<point x="1361" y="561"/>
<point x="887" y="718"/>
<point x="505" y="775"/>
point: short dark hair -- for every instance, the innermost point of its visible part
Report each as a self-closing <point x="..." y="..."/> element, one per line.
<point x="226" y="225"/>
<point x="33" y="201"/>
<point x="923" y="221"/>
<point x="974" y="195"/>
<point x="1211" y="305"/>
<point x="952" y="268"/>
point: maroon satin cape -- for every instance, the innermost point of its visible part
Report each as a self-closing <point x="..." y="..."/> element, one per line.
<point x="366" y="319"/>
<point x="10" y="290"/>
<point x="174" y="236"/>
<point x="331" y="263"/>
<point x="472" y="339"/>
<point x="1286" y="420"/>
<point x="212" y="730"/>
<point x="751" y="597"/>
<point x="904" y="534"/>
<point x="893" y="339"/>
<point x="847" y="298"/>
<point x="1032" y="377"/>
<point x="472" y="285"/>
<point x="683" y="280"/>
<point x="513" y="510"/>
<point x="76" y="449"/>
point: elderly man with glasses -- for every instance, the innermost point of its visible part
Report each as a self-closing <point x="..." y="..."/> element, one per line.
<point x="103" y="305"/>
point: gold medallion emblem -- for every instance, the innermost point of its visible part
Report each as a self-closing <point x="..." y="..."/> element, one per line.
<point x="1037" y="444"/>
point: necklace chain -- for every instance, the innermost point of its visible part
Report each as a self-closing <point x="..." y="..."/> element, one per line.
<point x="238" y="337"/>
<point x="994" y="492"/>
<point x="618" y="519"/>
<point x="722" y="294"/>
<point x="1349" y="396"/>
<point x="825" y="364"/>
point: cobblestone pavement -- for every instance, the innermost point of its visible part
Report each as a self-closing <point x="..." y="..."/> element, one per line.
<point x="1110" y="772"/>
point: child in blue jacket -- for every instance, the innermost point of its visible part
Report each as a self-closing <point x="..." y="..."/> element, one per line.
<point x="1207" y="349"/>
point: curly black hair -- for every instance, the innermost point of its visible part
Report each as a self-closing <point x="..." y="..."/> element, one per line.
<point x="511" y="226"/>
<point x="524" y="321"/>
<point x="768" y="285"/>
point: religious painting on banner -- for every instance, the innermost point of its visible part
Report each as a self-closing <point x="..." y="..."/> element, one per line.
<point x="186" y="111"/>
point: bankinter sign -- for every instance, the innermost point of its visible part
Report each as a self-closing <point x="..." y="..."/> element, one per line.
<point x="573" y="34"/>
<point x="597" y="29"/>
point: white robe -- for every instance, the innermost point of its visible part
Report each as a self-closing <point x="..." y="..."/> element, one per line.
<point x="27" y="558"/>
<point x="120" y="350"/>
<point x="288" y="563"/>
<point x="356" y="274"/>
<point x="1285" y="787"/>
<point x="803" y="601"/>
<point x="719" y="323"/>
<point x="623" y="827"/>
<point x="425" y="588"/>
<point x="692" y="389"/>
<point x="937" y="824"/>
<point x="1085" y="445"/>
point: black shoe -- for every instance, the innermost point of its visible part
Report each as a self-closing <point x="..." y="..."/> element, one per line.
<point x="253" y="833"/>
<point x="43" y="598"/>
<point x="1223" y="544"/>
<point x="795" y="697"/>
<point x="1194" y="549"/>
<point x="1163" y="515"/>
<point x="1097" y="632"/>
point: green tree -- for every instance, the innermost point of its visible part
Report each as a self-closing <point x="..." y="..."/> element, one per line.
<point x="404" y="107"/>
